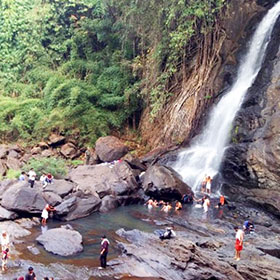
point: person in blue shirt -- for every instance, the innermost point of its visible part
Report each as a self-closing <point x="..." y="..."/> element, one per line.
<point x="22" y="177"/>
<point x="248" y="227"/>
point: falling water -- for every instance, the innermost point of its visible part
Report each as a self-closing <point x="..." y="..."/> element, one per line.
<point x="205" y="154"/>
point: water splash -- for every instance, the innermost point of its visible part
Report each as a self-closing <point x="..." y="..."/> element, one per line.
<point x="205" y="154"/>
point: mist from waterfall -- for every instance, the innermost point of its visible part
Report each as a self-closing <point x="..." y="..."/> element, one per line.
<point x="205" y="154"/>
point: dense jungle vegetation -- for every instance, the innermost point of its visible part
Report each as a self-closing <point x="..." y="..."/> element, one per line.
<point x="86" y="67"/>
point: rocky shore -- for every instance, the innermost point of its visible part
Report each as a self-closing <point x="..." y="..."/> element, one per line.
<point x="203" y="248"/>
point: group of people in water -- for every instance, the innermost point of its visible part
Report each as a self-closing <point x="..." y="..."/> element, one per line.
<point x="203" y="202"/>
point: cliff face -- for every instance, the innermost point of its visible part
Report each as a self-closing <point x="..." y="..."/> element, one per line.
<point x="253" y="159"/>
<point x="209" y="73"/>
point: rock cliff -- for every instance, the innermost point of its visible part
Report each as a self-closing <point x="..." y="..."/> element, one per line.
<point x="209" y="73"/>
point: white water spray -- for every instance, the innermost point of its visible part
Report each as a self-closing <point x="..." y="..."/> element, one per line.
<point x="206" y="153"/>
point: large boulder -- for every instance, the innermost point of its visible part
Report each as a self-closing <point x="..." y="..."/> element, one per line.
<point x="61" y="241"/>
<point x="20" y="197"/>
<point x="69" y="150"/>
<point x="60" y="187"/>
<point x="104" y="179"/>
<point x="110" y="148"/>
<point x="164" y="183"/>
<point x="55" y="140"/>
<point x="109" y="202"/>
<point x="51" y="198"/>
<point x="7" y="215"/>
<point x="6" y="184"/>
<point x="66" y="206"/>
<point x="83" y="207"/>
<point x="13" y="163"/>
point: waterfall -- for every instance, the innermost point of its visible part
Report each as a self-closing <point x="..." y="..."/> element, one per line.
<point x="204" y="156"/>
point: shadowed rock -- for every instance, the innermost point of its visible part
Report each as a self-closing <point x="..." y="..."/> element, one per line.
<point x="164" y="183"/>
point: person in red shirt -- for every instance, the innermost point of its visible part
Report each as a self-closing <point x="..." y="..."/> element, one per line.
<point x="104" y="252"/>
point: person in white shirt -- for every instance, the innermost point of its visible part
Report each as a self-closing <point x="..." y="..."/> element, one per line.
<point x="239" y="237"/>
<point x="5" y="240"/>
<point x="32" y="177"/>
<point x="206" y="204"/>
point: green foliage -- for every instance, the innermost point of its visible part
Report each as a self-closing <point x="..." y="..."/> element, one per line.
<point x="12" y="174"/>
<point x="75" y="162"/>
<point x="87" y="66"/>
<point x="55" y="166"/>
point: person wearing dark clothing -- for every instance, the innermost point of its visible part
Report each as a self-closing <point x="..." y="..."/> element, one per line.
<point x="30" y="275"/>
<point x="104" y="252"/>
<point x="168" y="234"/>
<point x="188" y="198"/>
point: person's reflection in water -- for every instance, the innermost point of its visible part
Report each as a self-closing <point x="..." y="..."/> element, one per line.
<point x="44" y="229"/>
<point x="220" y="213"/>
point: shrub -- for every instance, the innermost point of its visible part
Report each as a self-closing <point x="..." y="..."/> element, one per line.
<point x="55" y="166"/>
<point x="12" y="174"/>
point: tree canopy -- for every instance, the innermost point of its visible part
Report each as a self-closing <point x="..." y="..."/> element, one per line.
<point x="85" y="67"/>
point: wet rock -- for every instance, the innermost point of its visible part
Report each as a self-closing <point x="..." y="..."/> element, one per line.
<point x="7" y="215"/>
<point x="105" y="179"/>
<point x="66" y="206"/>
<point x="83" y="208"/>
<point x="55" y="140"/>
<point x="61" y="241"/>
<point x="60" y="187"/>
<point x="20" y="197"/>
<point x="164" y="183"/>
<point x="34" y="250"/>
<point x="51" y="198"/>
<point x="177" y="258"/>
<point x="109" y="202"/>
<point x="110" y="148"/>
<point x="69" y="150"/>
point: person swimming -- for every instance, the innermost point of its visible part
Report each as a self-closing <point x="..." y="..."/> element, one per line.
<point x="178" y="206"/>
<point x="166" y="208"/>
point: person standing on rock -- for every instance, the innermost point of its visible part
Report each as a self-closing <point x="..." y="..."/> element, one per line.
<point x="208" y="185"/>
<point x="32" y="177"/>
<point x="5" y="257"/>
<point x="206" y="204"/>
<point x="30" y="275"/>
<point x="43" y="180"/>
<point x="104" y="252"/>
<point x="5" y="240"/>
<point x="45" y="214"/>
<point x="239" y="237"/>
<point x="22" y="178"/>
<point x="87" y="155"/>
<point x="203" y="184"/>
